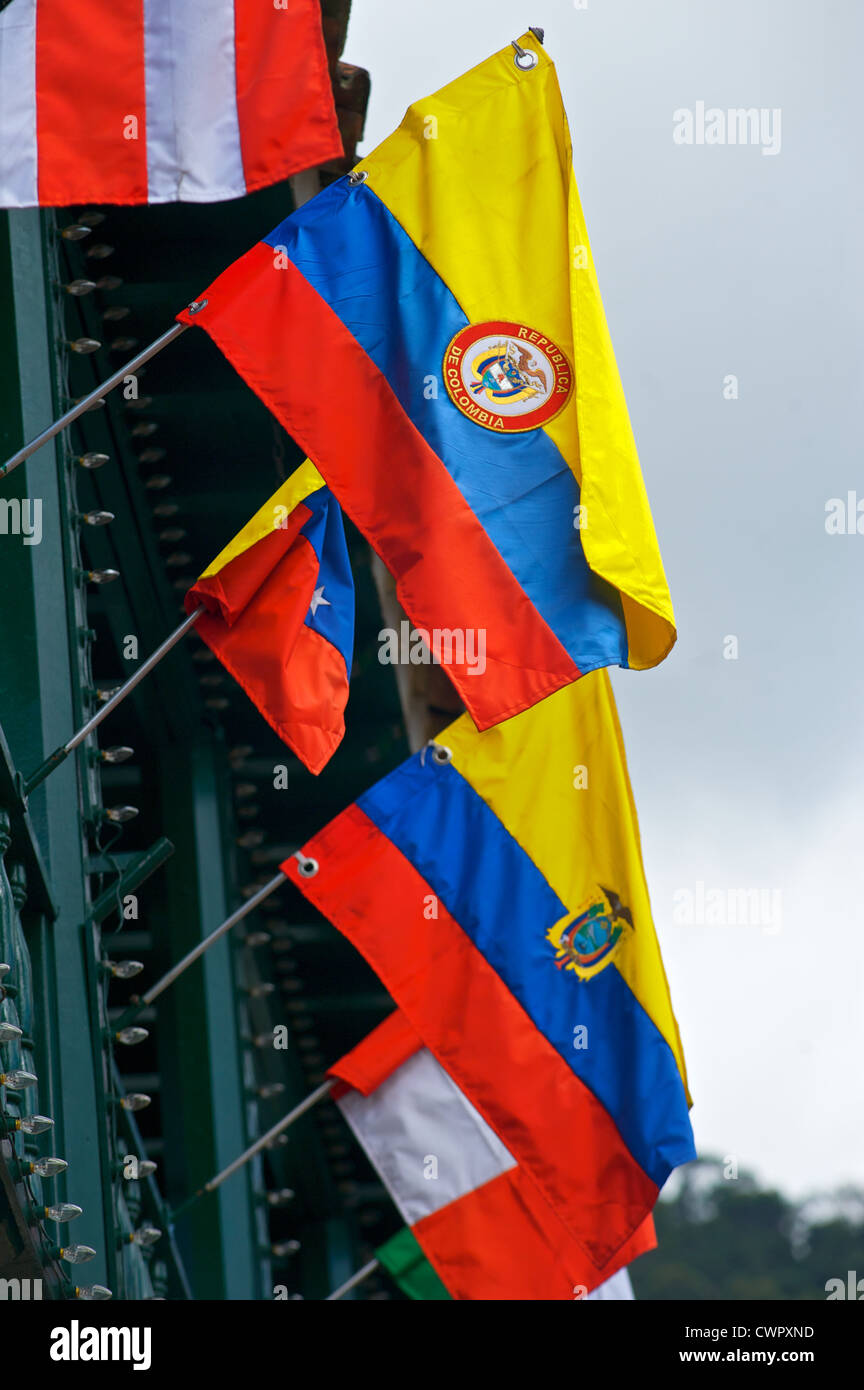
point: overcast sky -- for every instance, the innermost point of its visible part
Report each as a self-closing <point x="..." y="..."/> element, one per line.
<point x="718" y="260"/>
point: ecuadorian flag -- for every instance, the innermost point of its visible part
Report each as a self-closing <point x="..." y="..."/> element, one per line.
<point x="280" y="614"/>
<point x="494" y="882"/>
<point x="430" y="330"/>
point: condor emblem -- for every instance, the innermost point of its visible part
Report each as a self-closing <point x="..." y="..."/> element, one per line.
<point x="586" y="941"/>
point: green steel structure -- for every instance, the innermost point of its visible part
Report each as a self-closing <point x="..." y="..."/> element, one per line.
<point x="121" y="858"/>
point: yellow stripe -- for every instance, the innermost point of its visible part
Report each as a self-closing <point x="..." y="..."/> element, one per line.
<point x="580" y="839"/>
<point x="480" y="177"/>
<point x="303" y="481"/>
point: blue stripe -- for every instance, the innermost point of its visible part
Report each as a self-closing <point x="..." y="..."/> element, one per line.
<point x="325" y="532"/>
<point x="354" y="253"/>
<point x="498" y="896"/>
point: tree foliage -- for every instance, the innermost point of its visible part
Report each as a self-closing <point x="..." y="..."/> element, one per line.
<point x="731" y="1238"/>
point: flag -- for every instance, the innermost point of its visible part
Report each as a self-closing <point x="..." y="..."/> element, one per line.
<point x="160" y="101"/>
<point x="434" y="338"/>
<point x="471" y="1211"/>
<point x="280" y="614"/>
<point x="495" y="884"/>
<point x="403" y="1259"/>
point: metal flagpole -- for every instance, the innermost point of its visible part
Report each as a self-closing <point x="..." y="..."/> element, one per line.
<point x="96" y="395"/>
<point x="355" y="1280"/>
<point x="218" y="1178"/>
<point x="191" y="956"/>
<point x="60" y="754"/>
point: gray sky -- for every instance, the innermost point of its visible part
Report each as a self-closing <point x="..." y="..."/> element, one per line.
<point x="716" y="260"/>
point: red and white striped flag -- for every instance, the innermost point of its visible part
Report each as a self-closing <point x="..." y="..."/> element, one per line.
<point x="481" y="1222"/>
<point x="160" y="101"/>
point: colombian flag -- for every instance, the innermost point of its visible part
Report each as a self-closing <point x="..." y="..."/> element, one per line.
<point x="280" y="614"/>
<point x="495" y="884"/>
<point x="478" y="1218"/>
<point x="430" y="330"/>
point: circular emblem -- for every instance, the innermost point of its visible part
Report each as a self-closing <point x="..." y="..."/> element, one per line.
<point x="507" y="377"/>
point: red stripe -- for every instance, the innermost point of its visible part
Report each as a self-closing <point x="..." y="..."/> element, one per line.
<point x="233" y="586"/>
<point x="285" y="105"/>
<point x="551" y="1123"/>
<point x="312" y="373"/>
<point x="89" y="80"/>
<point x="378" y="1055"/>
<point x="504" y="1242"/>
<point x="295" y="676"/>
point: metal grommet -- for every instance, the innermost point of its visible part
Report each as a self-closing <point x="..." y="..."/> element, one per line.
<point x="441" y="754"/>
<point x="524" y="58"/>
<point x="196" y="306"/>
<point x="307" y="868"/>
<point x="357" y="176"/>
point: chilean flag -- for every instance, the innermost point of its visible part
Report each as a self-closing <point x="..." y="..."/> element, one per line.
<point x="280" y="614"/>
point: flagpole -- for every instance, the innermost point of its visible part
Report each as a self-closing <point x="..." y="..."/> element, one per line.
<point x="354" y="1280"/>
<point x="96" y="395"/>
<point x="218" y="1178"/>
<point x="60" y="754"/>
<point x="191" y="956"/>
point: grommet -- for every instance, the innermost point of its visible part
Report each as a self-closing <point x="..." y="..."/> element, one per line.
<point x="524" y="58"/>
<point x="307" y="868"/>
<point x="357" y="176"/>
<point x="441" y="754"/>
<point x="196" y="306"/>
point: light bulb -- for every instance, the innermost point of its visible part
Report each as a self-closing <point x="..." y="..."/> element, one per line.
<point x="79" y="287"/>
<point x="61" y="1211"/>
<point x="120" y="814"/>
<point x="270" y="1089"/>
<point x="48" y="1167"/>
<point x="118" y="754"/>
<point x="93" y="1292"/>
<point x="146" y="1168"/>
<point x="17" y="1080"/>
<point x="92" y="460"/>
<point x="75" y="232"/>
<point x="84" y="346"/>
<point x="97" y="518"/>
<point x="281" y="1197"/>
<point x="130" y="1036"/>
<point x="123" y="969"/>
<point x="76" y="1254"/>
<point x="34" y="1124"/>
<point x="106" y="576"/>
<point x="145" y="1235"/>
<point x="136" y="1100"/>
<point x="285" y="1247"/>
<point x="9" y="1032"/>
